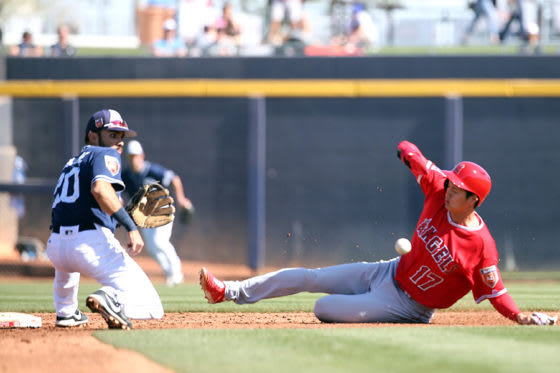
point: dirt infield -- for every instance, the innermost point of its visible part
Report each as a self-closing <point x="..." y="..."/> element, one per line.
<point x="64" y="349"/>
<point x="75" y="349"/>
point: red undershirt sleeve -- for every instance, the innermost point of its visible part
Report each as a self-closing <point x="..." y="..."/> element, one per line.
<point x="506" y="306"/>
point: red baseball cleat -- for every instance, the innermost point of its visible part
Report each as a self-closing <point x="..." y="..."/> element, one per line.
<point x="214" y="289"/>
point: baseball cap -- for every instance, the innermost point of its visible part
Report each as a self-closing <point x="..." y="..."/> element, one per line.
<point x="108" y="119"/>
<point x="134" y="148"/>
<point x="169" y="24"/>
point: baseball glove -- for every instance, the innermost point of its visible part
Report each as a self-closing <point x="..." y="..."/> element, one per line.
<point x="539" y="318"/>
<point x="151" y="206"/>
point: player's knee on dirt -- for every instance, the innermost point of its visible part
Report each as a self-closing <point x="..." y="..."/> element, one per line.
<point x="321" y="310"/>
<point x="329" y="309"/>
<point x="343" y="309"/>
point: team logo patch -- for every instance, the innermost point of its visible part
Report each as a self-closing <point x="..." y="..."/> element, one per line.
<point x="490" y="276"/>
<point x="99" y="123"/>
<point x="112" y="164"/>
<point x="459" y="168"/>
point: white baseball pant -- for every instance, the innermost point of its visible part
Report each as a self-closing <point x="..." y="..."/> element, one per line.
<point x="99" y="255"/>
<point x="157" y="243"/>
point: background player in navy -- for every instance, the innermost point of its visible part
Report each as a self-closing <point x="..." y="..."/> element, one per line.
<point x="85" y="214"/>
<point x="157" y="240"/>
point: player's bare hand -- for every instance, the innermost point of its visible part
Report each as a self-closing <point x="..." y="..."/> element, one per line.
<point x="135" y="242"/>
<point x="185" y="203"/>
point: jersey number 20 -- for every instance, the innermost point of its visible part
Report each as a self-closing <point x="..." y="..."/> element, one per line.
<point x="62" y="187"/>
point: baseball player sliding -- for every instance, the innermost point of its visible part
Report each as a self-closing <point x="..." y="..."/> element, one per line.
<point x="452" y="254"/>
<point x="85" y="213"/>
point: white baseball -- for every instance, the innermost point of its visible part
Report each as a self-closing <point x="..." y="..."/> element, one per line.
<point x="403" y="246"/>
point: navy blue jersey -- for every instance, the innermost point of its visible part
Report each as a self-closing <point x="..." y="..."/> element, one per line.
<point x="152" y="172"/>
<point x="73" y="202"/>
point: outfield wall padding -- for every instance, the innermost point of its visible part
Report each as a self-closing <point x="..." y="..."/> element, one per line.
<point x="335" y="189"/>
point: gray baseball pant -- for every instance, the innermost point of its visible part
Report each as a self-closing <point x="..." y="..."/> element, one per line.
<point x="359" y="292"/>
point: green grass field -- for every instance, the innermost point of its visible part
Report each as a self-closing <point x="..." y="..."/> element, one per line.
<point x="403" y="349"/>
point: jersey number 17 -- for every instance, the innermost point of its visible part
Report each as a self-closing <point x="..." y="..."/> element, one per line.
<point x="425" y="279"/>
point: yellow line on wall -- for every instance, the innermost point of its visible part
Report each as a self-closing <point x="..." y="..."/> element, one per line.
<point x="284" y="88"/>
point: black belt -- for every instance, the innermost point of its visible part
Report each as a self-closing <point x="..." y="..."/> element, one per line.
<point x="81" y="227"/>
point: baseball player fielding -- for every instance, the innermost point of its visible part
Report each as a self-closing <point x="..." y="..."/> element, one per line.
<point x="402" y="246"/>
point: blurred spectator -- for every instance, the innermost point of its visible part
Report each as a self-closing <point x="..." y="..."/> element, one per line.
<point x="228" y="26"/>
<point x="284" y="9"/>
<point x="555" y="9"/>
<point x="205" y="41"/>
<point x="195" y="19"/>
<point x="293" y="45"/>
<point x="63" y="48"/>
<point x="515" y="10"/>
<point x="227" y="32"/>
<point x="18" y="177"/>
<point x="362" y="31"/>
<point x="532" y="42"/>
<point x="487" y="9"/>
<point x="26" y="48"/>
<point x="225" y="45"/>
<point x="296" y="40"/>
<point x="305" y="25"/>
<point x="533" y="33"/>
<point x="170" y="45"/>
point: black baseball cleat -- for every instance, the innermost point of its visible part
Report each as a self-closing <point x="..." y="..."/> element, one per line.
<point x="77" y="319"/>
<point x="109" y="308"/>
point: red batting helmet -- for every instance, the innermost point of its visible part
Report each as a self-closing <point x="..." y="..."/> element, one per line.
<point x="471" y="177"/>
